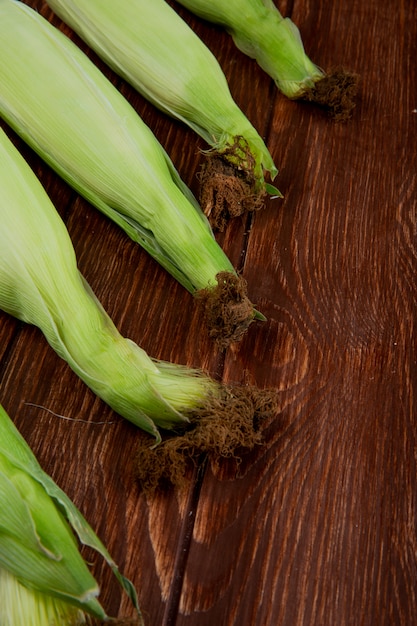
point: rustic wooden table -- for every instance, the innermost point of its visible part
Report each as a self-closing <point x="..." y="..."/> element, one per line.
<point x="319" y="527"/>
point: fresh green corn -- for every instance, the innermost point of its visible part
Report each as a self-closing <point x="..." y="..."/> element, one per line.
<point x="41" y="284"/>
<point x="67" y="111"/>
<point x="147" y="43"/>
<point x="260" y="31"/>
<point x="44" y="581"/>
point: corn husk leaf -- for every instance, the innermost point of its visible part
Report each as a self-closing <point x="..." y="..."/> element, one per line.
<point x="21" y="605"/>
<point x="40" y="284"/>
<point x="36" y="544"/>
<point x="261" y="32"/>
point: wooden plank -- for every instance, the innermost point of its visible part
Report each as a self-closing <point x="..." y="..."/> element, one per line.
<point x="319" y="526"/>
<point x="320" y="529"/>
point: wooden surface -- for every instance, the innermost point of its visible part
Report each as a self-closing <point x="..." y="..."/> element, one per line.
<point x="319" y="528"/>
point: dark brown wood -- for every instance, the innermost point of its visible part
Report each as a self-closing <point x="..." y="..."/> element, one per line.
<point x="319" y="526"/>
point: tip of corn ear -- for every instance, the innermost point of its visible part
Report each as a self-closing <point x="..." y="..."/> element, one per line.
<point x="336" y="92"/>
<point x="232" y="183"/>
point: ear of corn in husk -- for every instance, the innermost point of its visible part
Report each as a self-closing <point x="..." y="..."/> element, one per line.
<point x="41" y="285"/>
<point x="58" y="101"/>
<point x="260" y="31"/>
<point x="148" y="44"/>
<point x="44" y="580"/>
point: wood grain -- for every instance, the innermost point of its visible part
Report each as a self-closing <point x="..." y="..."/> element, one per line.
<point x="316" y="527"/>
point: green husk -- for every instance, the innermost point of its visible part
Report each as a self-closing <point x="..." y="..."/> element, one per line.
<point x="150" y="46"/>
<point x="261" y="32"/>
<point x="58" y="101"/>
<point x="41" y="285"/>
<point x="44" y="581"/>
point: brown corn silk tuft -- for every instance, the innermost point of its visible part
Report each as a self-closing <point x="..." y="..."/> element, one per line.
<point x="228" y="185"/>
<point x="227" y="427"/>
<point x="336" y="92"/>
<point x="228" y="311"/>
